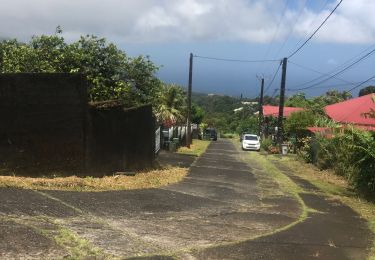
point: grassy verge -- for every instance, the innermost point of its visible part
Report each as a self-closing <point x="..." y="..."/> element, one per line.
<point x="142" y="180"/>
<point x="334" y="186"/>
<point x="197" y="148"/>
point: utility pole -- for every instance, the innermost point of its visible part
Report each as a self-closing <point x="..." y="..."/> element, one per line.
<point x="261" y="107"/>
<point x="280" y="132"/>
<point x="188" y="135"/>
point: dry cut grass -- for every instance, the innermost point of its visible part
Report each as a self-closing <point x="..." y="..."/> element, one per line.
<point x="197" y="148"/>
<point x="142" y="180"/>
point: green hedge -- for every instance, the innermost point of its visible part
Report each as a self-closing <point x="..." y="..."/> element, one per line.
<point x="350" y="154"/>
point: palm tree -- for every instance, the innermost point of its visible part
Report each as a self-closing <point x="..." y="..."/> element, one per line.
<point x="172" y="103"/>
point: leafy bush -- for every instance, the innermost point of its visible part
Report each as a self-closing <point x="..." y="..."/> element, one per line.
<point x="305" y="150"/>
<point x="228" y="135"/>
<point x="350" y="154"/>
<point x="266" y="143"/>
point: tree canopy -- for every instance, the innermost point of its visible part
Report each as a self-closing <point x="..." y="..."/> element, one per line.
<point x="366" y="91"/>
<point x="110" y="72"/>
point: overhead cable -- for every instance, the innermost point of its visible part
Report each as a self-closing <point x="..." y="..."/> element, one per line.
<point x="360" y="84"/>
<point x="234" y="60"/>
<point x="312" y="35"/>
<point x="273" y="79"/>
<point x="342" y="65"/>
<point x="339" y="72"/>
<point x="292" y="28"/>
<point x="318" y="72"/>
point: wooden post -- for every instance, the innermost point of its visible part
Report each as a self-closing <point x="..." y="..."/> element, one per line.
<point x="280" y="134"/>
<point x="261" y="108"/>
<point x="188" y="135"/>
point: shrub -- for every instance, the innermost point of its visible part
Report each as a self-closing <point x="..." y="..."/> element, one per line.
<point x="272" y="149"/>
<point x="266" y="143"/>
<point x="305" y="150"/>
<point x="228" y="135"/>
<point x="350" y="154"/>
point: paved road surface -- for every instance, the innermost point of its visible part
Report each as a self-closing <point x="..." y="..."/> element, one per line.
<point x="217" y="212"/>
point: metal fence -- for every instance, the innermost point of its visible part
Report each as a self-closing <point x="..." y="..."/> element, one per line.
<point x="157" y="140"/>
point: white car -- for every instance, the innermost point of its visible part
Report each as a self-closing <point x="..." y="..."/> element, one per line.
<point x="250" y="142"/>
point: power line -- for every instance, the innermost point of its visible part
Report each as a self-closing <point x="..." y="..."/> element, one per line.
<point x="318" y="72"/>
<point x="312" y="35"/>
<point x="331" y="86"/>
<point x="274" y="92"/>
<point x="360" y="84"/>
<point x="277" y="28"/>
<point x="292" y="28"/>
<point x="339" y="72"/>
<point x="342" y="65"/>
<point x="312" y="23"/>
<point x="273" y="79"/>
<point x="234" y="60"/>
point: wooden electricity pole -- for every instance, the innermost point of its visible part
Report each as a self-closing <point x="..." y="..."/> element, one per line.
<point x="280" y="133"/>
<point x="188" y="134"/>
<point x="261" y="108"/>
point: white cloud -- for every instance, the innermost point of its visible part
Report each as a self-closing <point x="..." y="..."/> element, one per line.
<point x="353" y="22"/>
<point x="332" y="62"/>
<point x="183" y="20"/>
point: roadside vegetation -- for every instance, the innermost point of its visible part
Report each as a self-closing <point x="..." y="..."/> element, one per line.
<point x="111" y="73"/>
<point x="331" y="184"/>
<point x="141" y="180"/>
<point x="197" y="148"/>
<point x="350" y="154"/>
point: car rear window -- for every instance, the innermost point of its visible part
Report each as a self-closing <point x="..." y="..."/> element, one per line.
<point x="251" y="138"/>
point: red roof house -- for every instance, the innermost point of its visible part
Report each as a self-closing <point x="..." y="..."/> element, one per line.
<point x="274" y="110"/>
<point x="352" y="112"/>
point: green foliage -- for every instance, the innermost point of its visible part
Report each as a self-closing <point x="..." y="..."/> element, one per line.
<point x="197" y="114"/>
<point x="316" y="104"/>
<point x="350" y="154"/>
<point x="266" y="143"/>
<point x="248" y="125"/>
<point x="228" y="135"/>
<point x="171" y="105"/>
<point x="219" y="112"/>
<point x="110" y="72"/>
<point x="297" y="100"/>
<point x="366" y="91"/>
<point x="216" y="103"/>
<point x="298" y="121"/>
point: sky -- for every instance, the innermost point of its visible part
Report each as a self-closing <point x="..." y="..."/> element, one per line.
<point x="169" y="30"/>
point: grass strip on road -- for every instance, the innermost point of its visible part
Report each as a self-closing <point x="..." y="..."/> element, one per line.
<point x="142" y="180"/>
<point x="197" y="148"/>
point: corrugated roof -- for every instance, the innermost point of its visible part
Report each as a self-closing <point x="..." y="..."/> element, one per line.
<point x="352" y="111"/>
<point x="274" y="110"/>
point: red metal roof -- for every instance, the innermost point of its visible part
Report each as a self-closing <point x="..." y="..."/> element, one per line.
<point x="274" y="110"/>
<point x="316" y="129"/>
<point x="351" y="111"/>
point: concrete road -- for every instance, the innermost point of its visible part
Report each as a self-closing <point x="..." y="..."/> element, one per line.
<point x="217" y="212"/>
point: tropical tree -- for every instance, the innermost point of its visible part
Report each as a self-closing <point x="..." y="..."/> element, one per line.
<point x="197" y="114"/>
<point x="171" y="105"/>
<point x="298" y="121"/>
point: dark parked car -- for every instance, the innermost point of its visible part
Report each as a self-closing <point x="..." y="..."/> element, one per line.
<point x="210" y="134"/>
